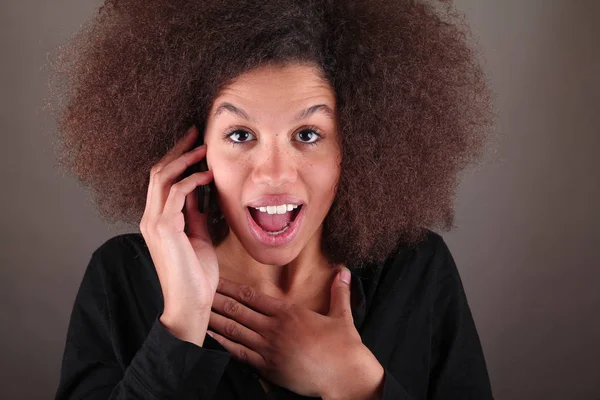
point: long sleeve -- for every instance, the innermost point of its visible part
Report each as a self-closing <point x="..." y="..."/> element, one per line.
<point x="392" y="389"/>
<point x="421" y="328"/>
<point x="163" y="367"/>
<point x="458" y="368"/>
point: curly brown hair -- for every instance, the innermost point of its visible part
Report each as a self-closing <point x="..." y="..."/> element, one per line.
<point x="413" y="101"/>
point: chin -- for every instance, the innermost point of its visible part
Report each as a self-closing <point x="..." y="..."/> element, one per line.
<point x="277" y="261"/>
<point x="272" y="256"/>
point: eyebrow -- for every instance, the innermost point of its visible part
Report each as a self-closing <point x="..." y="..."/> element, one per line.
<point x="307" y="112"/>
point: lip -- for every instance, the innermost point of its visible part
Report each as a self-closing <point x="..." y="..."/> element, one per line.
<point x="279" y="240"/>
<point x="275" y="200"/>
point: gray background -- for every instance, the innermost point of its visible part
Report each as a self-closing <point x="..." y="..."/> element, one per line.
<point x="528" y="220"/>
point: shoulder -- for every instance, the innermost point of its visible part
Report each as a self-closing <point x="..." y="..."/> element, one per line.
<point x="420" y="265"/>
<point x="120" y="246"/>
<point x="441" y="264"/>
<point x="121" y="255"/>
<point x="433" y="246"/>
<point x="436" y="269"/>
<point x="439" y="258"/>
<point x="412" y="277"/>
<point x="433" y="253"/>
<point x="427" y="255"/>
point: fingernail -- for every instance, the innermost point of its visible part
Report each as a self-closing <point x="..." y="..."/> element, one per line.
<point x="345" y="275"/>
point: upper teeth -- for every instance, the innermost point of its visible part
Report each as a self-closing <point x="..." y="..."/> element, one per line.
<point x="282" y="209"/>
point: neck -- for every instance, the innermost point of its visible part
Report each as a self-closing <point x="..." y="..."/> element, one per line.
<point x="305" y="280"/>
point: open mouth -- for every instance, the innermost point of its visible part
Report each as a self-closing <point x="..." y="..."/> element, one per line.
<point x="274" y="224"/>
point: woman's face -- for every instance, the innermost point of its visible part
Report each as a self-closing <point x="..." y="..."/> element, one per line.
<point x="272" y="140"/>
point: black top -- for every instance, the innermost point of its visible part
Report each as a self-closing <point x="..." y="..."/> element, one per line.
<point x="411" y="312"/>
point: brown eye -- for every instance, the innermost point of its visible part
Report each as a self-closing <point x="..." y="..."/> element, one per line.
<point x="241" y="134"/>
<point x="309" y="136"/>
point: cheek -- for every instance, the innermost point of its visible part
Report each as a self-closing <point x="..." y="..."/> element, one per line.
<point x="224" y="168"/>
<point x="229" y="181"/>
<point x="323" y="179"/>
<point x="226" y="180"/>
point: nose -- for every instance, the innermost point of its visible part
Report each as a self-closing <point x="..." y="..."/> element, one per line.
<point x="274" y="166"/>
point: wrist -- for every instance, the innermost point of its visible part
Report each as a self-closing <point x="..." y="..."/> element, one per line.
<point x="190" y="326"/>
<point x="362" y="380"/>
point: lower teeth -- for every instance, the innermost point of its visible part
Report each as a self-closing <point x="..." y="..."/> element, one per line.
<point x="278" y="232"/>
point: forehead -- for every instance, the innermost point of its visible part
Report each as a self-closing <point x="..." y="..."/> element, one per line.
<point x="278" y="85"/>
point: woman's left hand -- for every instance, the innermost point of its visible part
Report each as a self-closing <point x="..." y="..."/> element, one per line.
<point x="293" y="347"/>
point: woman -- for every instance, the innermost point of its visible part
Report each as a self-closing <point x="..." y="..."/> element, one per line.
<point x="333" y="135"/>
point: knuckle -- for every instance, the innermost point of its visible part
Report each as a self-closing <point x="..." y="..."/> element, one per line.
<point x="287" y="313"/>
<point x="159" y="176"/>
<point x="176" y="189"/>
<point x="243" y="354"/>
<point x="247" y="293"/>
<point x="232" y="330"/>
<point x="155" y="170"/>
<point x="232" y="307"/>
<point x="285" y="308"/>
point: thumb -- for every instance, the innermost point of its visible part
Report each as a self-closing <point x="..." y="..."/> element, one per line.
<point x="340" y="294"/>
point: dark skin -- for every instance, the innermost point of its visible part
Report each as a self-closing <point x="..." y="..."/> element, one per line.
<point x="409" y="112"/>
<point x="314" y="293"/>
<point x="381" y="89"/>
<point x="285" y="142"/>
<point x="294" y="347"/>
<point x="317" y="300"/>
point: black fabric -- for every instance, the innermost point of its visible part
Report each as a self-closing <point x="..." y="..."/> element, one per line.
<point x="411" y="312"/>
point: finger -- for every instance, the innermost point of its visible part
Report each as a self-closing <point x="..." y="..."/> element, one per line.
<point x="183" y="144"/>
<point x="239" y="351"/>
<point x="165" y="178"/>
<point x="251" y="297"/>
<point x="233" y="309"/>
<point x="179" y="191"/>
<point x="177" y="167"/>
<point x="195" y="220"/>
<point x="251" y="352"/>
<point x="160" y="179"/>
<point x="236" y="332"/>
<point x="339" y="305"/>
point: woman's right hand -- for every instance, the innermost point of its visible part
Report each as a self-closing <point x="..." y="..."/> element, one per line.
<point x="187" y="266"/>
